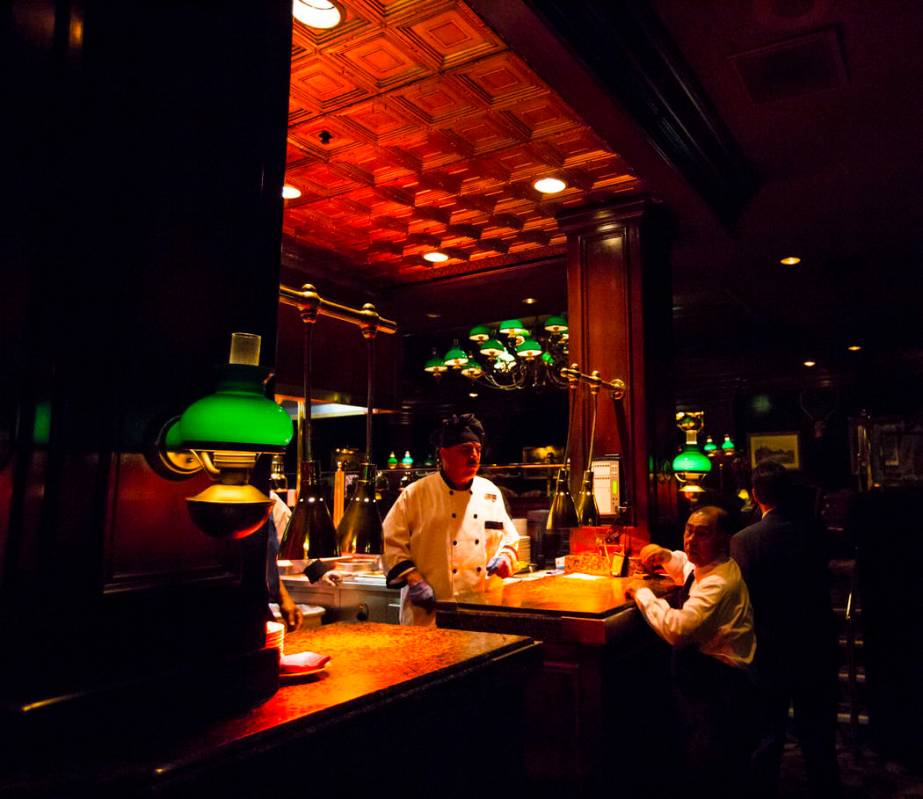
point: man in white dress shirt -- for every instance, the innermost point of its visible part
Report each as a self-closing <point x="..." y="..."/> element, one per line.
<point x="711" y="633"/>
<point x="449" y="531"/>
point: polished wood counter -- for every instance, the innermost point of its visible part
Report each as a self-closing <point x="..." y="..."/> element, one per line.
<point x="553" y="607"/>
<point x="598" y="702"/>
<point x="382" y="680"/>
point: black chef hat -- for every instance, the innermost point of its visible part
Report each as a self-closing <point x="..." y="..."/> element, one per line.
<point x="458" y="429"/>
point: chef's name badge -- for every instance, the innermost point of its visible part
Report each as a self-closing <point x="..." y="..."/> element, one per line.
<point x="493" y="525"/>
<point x="491" y="497"/>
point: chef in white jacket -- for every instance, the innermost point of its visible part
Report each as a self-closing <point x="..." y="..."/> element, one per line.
<point x="449" y="531"/>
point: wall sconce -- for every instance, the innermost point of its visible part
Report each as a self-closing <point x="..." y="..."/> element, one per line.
<point x="224" y="433"/>
<point x="691" y="465"/>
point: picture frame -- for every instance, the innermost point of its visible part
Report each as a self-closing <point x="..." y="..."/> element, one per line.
<point x="784" y="448"/>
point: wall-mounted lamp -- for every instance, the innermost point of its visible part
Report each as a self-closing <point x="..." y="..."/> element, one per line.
<point x="691" y="465"/>
<point x="224" y="433"/>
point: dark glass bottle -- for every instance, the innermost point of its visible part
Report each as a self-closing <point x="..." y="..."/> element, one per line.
<point x="587" y="509"/>
<point x="561" y="519"/>
<point x="359" y="531"/>
<point x="310" y="533"/>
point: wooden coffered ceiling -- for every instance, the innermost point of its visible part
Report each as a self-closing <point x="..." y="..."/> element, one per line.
<point x="412" y="127"/>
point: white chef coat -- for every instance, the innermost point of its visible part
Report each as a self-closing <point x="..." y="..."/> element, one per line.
<point x="448" y="535"/>
<point x="716" y="618"/>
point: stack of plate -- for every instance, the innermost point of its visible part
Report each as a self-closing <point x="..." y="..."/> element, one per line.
<point x="275" y="635"/>
<point x="525" y="549"/>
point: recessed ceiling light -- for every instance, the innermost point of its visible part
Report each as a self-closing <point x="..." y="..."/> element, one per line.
<point x="809" y="364"/>
<point x="435" y="257"/>
<point x="473" y="394"/>
<point x="549" y="185"/>
<point x="289" y="192"/>
<point x="854" y="347"/>
<point x="320" y="14"/>
<point x="530" y="300"/>
<point x="792" y="260"/>
<point x="433" y="315"/>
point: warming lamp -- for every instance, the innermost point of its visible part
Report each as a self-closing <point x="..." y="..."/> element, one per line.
<point x="226" y="432"/>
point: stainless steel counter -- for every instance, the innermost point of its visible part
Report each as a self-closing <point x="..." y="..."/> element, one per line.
<point x="360" y="597"/>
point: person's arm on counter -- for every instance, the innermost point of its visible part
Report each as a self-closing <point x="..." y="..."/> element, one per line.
<point x="691" y="622"/>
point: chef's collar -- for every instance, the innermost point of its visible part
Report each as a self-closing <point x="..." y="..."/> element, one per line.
<point x="455" y="486"/>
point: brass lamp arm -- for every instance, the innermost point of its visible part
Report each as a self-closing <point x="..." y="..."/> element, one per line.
<point x="310" y="303"/>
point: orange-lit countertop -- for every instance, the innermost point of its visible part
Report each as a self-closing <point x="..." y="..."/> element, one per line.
<point x="553" y="607"/>
<point x="372" y="666"/>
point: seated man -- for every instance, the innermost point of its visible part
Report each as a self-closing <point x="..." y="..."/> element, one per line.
<point x="713" y="646"/>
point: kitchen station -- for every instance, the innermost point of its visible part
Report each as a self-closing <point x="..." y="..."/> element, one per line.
<point x="364" y="359"/>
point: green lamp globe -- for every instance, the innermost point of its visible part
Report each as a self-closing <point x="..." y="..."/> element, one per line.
<point x="456" y="357"/>
<point x="556" y="324"/>
<point x="492" y="348"/>
<point x="237" y="417"/>
<point x="691" y="461"/>
<point x="529" y="349"/>
<point x="727" y="445"/>
<point x="710" y="446"/>
<point x="435" y="365"/>
<point x="479" y="333"/>
<point x="513" y="327"/>
<point x="548" y="358"/>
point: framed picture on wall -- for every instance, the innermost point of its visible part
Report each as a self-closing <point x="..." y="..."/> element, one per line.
<point x="784" y="448"/>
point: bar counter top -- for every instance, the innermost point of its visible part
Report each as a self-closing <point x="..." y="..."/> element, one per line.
<point x="372" y="666"/>
<point x="552" y="606"/>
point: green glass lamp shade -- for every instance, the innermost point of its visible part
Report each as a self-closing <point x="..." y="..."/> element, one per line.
<point x="435" y="365"/>
<point x="727" y="445"/>
<point x="529" y="348"/>
<point x="556" y="324"/>
<point x="692" y="461"/>
<point x="492" y="348"/>
<point x="479" y="333"/>
<point x="710" y="446"/>
<point x="392" y="460"/>
<point x="513" y="327"/>
<point x="456" y="357"/>
<point x="472" y="370"/>
<point x="237" y="417"/>
<point x="548" y="358"/>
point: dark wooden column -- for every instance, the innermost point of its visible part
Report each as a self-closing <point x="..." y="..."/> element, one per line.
<point x="619" y="303"/>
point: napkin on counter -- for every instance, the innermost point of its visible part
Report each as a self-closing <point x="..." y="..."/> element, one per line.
<point x="302" y="661"/>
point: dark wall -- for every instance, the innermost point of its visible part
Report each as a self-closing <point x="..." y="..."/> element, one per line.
<point x="145" y="168"/>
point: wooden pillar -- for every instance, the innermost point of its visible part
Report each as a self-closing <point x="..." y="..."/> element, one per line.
<point x="619" y="304"/>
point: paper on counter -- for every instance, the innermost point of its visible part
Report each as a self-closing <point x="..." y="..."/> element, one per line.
<point x="578" y="576"/>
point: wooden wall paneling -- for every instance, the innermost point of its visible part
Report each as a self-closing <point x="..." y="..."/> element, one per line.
<point x="134" y="272"/>
<point x="619" y="313"/>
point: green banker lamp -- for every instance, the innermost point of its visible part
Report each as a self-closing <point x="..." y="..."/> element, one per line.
<point x="226" y="432"/>
<point x="691" y="465"/>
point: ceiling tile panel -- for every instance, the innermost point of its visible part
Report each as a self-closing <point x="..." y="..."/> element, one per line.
<point x="453" y="37"/>
<point x="414" y="128"/>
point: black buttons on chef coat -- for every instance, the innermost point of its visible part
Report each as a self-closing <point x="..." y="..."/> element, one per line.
<point x="454" y="571"/>
<point x="475" y="515"/>
<point x="477" y="541"/>
<point x="479" y="568"/>
<point x="453" y="515"/>
<point x="451" y="493"/>
<point x="455" y="543"/>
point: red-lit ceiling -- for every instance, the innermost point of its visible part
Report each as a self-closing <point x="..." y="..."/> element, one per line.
<point x="434" y="133"/>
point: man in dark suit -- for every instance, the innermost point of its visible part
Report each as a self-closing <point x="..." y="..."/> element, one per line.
<point x="786" y="574"/>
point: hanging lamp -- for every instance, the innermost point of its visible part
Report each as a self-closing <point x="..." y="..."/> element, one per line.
<point x="310" y="533"/>
<point x="587" y="509"/>
<point x="359" y="531"/>
<point x="562" y="515"/>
